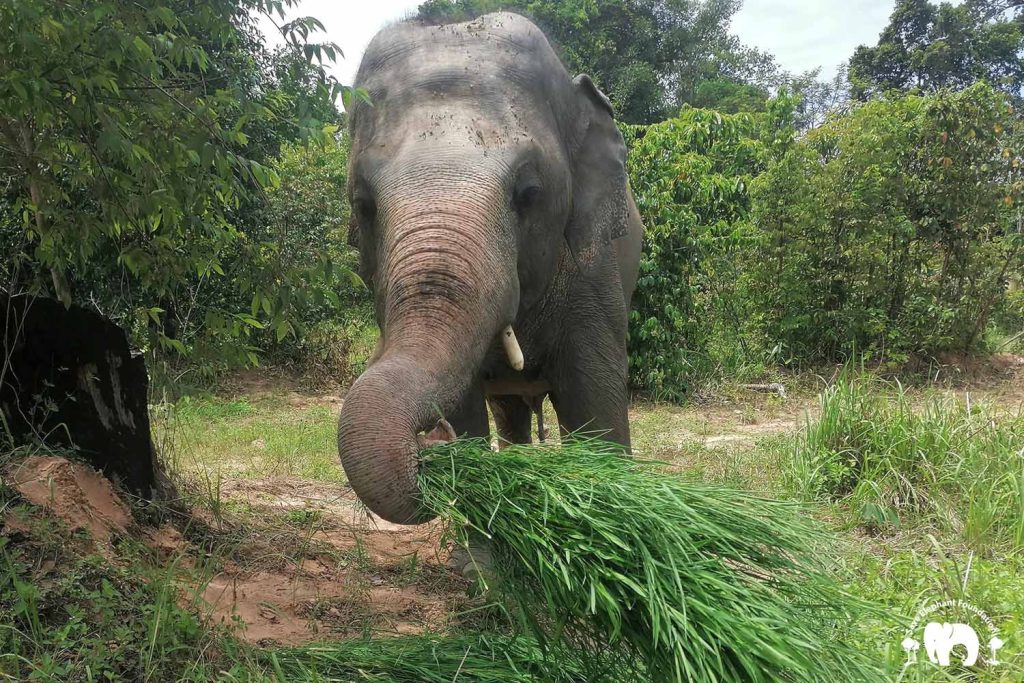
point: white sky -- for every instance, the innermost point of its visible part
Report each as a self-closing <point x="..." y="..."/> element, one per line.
<point x="806" y="34"/>
<point x="802" y="34"/>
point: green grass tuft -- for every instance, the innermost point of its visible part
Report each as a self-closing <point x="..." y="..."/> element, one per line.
<point x="954" y="464"/>
<point x="693" y="582"/>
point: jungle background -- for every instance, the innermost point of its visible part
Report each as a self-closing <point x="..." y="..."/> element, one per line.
<point x="163" y="168"/>
<point x="159" y="164"/>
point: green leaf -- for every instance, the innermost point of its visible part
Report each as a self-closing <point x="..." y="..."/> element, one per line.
<point x="143" y="48"/>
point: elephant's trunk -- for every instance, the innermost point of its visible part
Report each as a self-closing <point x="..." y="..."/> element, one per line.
<point x="382" y="414"/>
<point x="447" y="288"/>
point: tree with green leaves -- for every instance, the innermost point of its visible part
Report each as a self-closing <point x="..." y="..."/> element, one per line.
<point x="135" y="140"/>
<point x="930" y="46"/>
<point x="691" y="176"/>
<point x="892" y="230"/>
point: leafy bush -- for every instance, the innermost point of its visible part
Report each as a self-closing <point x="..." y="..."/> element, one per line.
<point x="304" y="228"/>
<point x="293" y="282"/>
<point x="322" y="321"/>
<point x="334" y="350"/>
<point x="958" y="465"/>
<point x="136" y="147"/>
<point x="891" y="229"/>
<point x="690" y="176"/>
<point x="1008" y="321"/>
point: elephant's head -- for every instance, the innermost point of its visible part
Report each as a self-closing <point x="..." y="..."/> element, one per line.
<point x="479" y="167"/>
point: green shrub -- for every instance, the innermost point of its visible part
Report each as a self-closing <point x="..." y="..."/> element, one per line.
<point x="890" y="229"/>
<point x="691" y="176"/>
<point x="953" y="464"/>
<point x="306" y="220"/>
<point x="332" y="350"/>
<point x="1008" y="322"/>
<point x="293" y="287"/>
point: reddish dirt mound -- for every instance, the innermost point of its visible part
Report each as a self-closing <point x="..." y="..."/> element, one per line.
<point x="73" y="492"/>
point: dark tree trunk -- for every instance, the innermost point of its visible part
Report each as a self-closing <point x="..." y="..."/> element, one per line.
<point x="68" y="379"/>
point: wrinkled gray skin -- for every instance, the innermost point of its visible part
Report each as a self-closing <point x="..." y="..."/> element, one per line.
<point x="488" y="188"/>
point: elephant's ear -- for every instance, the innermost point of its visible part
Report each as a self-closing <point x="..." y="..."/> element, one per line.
<point x="599" y="186"/>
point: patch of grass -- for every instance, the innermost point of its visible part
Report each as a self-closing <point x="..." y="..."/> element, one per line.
<point x="214" y="409"/>
<point x="303" y="517"/>
<point x="659" y="431"/>
<point x="908" y="580"/>
<point x="959" y="466"/>
<point x="264" y="438"/>
<point x="694" y="581"/>
<point x="84" y="618"/>
<point x="714" y="452"/>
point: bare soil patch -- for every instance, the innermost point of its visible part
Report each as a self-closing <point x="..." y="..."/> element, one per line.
<point x="358" y="574"/>
<point x="310" y="563"/>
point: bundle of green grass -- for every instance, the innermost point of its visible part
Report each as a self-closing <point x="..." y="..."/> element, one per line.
<point x="469" y="658"/>
<point x="614" y="556"/>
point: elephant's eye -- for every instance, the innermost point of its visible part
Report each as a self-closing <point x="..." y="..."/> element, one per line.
<point x="526" y="198"/>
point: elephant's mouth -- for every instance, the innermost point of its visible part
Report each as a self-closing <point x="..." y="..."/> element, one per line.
<point x="441" y="433"/>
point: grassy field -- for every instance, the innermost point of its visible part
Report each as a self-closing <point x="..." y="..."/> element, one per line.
<point x="923" y="489"/>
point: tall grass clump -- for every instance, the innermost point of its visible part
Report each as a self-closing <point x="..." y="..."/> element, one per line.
<point x="691" y="582"/>
<point x="955" y="464"/>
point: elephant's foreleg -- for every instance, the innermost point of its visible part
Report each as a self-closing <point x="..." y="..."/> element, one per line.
<point x="512" y="417"/>
<point x="590" y="393"/>
<point x="591" y="415"/>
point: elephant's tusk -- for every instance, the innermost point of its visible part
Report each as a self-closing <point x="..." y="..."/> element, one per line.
<point x="512" y="350"/>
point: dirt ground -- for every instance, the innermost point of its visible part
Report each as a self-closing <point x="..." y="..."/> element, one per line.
<point x="292" y="561"/>
<point x="352" y="573"/>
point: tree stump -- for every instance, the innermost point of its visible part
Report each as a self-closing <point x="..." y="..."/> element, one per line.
<point x="68" y="379"/>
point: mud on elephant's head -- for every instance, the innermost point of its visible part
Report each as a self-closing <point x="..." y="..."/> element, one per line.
<point x="479" y="167"/>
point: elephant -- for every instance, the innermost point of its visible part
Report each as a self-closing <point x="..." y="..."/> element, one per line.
<point x="498" y="234"/>
<point x="940" y="639"/>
